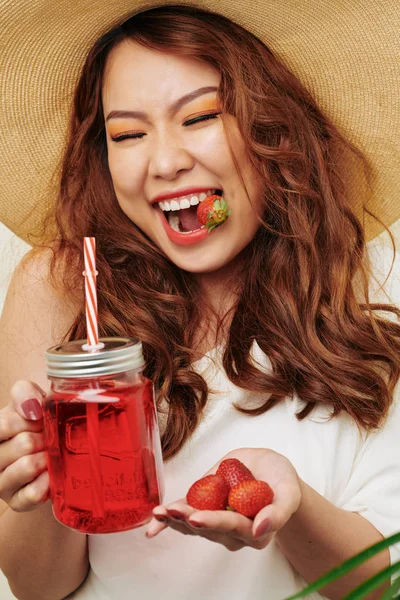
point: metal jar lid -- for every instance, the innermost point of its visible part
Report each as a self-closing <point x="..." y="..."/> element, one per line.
<point x="73" y="359"/>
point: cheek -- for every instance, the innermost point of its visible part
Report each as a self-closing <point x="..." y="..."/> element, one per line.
<point x="210" y="148"/>
<point x="126" y="179"/>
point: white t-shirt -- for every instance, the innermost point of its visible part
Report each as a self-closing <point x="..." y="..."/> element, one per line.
<point x="354" y="474"/>
<point x="357" y="473"/>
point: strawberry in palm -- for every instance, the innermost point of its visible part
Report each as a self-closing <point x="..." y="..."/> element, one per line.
<point x="209" y="493"/>
<point x="213" y="211"/>
<point x="234" y="472"/>
<point x="249" y="497"/>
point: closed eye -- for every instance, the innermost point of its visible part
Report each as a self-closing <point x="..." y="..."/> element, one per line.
<point x="201" y="118"/>
<point x="139" y="136"/>
<point x="127" y="136"/>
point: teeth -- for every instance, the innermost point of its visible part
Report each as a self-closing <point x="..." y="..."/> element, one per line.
<point x="173" y="220"/>
<point x="174" y="205"/>
<point x="184" y="201"/>
<point x="184" y="232"/>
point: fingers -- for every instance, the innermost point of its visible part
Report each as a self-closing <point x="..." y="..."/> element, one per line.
<point x="11" y="423"/>
<point x="174" y="516"/>
<point x="23" y="467"/>
<point x="232" y="530"/>
<point x="274" y="516"/>
<point x="176" y="513"/>
<point x="19" y="475"/>
<point x="26" y="399"/>
<point x="22" y="444"/>
<point x="224" y="521"/>
<point x="155" y="527"/>
<point x="32" y="495"/>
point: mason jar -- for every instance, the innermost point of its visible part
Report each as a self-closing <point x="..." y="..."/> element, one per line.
<point x="102" y="439"/>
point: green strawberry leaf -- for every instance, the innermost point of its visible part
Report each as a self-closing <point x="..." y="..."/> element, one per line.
<point x="224" y="204"/>
<point x="217" y="205"/>
<point x="349" y="565"/>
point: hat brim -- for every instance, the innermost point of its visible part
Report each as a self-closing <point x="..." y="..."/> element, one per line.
<point x="345" y="52"/>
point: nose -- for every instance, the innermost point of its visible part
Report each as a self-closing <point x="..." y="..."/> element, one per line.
<point x="169" y="157"/>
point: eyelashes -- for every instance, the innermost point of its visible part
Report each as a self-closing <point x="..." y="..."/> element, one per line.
<point x="201" y="118"/>
<point x="193" y="121"/>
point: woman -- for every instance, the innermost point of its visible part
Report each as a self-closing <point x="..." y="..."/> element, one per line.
<point x="259" y="336"/>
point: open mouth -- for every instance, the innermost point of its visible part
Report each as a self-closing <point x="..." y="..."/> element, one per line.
<point x="181" y="213"/>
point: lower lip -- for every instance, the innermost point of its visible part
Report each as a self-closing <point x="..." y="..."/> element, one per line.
<point x="182" y="239"/>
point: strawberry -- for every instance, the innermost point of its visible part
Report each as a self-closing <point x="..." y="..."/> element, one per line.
<point x="209" y="493"/>
<point x="234" y="472"/>
<point x="249" y="497"/>
<point x="213" y="211"/>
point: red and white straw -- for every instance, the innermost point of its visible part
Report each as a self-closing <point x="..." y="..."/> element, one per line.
<point x="92" y="414"/>
<point x="90" y="273"/>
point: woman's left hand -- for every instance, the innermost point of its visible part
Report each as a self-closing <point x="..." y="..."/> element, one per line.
<point x="231" y="529"/>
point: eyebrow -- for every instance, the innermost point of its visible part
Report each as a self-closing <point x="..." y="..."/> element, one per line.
<point x="134" y="114"/>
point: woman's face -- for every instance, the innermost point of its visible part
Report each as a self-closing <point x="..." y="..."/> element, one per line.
<point x="161" y="148"/>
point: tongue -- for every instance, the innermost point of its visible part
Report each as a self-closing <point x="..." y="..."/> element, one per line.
<point x="188" y="219"/>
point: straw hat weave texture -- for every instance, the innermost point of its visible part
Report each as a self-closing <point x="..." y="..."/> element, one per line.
<point x="346" y="52"/>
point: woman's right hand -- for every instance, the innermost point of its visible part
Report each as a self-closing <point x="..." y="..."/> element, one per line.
<point x="24" y="480"/>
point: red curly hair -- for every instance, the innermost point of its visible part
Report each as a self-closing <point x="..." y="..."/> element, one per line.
<point x="296" y="279"/>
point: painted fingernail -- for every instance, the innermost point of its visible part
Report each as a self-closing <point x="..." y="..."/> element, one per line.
<point x="176" y="515"/>
<point x="161" y="518"/>
<point x="32" y="409"/>
<point x="263" y="528"/>
<point x="196" y="524"/>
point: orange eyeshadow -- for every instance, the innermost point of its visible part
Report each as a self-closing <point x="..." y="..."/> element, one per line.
<point x="119" y="126"/>
<point x="202" y="104"/>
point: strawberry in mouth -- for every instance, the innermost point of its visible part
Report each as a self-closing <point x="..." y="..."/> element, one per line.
<point x="213" y="212"/>
<point x="184" y="221"/>
<point x="182" y="213"/>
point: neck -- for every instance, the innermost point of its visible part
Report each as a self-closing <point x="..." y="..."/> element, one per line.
<point x="219" y="289"/>
<point x="218" y="293"/>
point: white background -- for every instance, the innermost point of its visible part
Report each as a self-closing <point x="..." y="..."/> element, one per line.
<point x="12" y="250"/>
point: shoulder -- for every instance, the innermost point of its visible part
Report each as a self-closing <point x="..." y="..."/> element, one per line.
<point x="37" y="314"/>
<point x="37" y="285"/>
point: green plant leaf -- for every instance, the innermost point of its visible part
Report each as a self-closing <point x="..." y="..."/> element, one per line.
<point x="392" y="591"/>
<point x="347" y="566"/>
<point x="373" y="582"/>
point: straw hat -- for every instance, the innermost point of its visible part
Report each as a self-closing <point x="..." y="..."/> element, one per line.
<point x="346" y="52"/>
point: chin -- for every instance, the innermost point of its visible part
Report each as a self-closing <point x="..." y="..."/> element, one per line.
<point x="203" y="266"/>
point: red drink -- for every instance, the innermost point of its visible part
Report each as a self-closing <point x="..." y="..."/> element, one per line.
<point x="103" y="449"/>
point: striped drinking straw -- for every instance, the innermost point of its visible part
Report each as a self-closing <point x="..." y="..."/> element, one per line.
<point x="90" y="273"/>
<point x="93" y="345"/>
